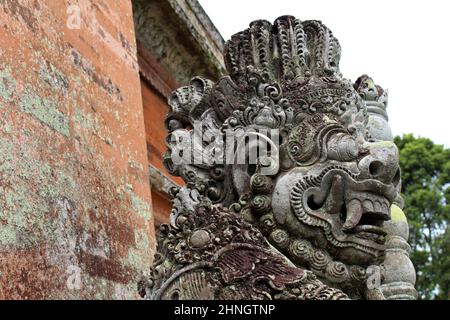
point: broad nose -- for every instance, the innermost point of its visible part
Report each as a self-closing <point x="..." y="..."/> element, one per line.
<point x="381" y="162"/>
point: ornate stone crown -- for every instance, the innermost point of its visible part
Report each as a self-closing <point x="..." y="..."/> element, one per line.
<point x="290" y="59"/>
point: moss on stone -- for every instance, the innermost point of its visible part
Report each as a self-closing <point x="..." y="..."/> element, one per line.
<point x="45" y="111"/>
<point x="7" y="83"/>
<point x="397" y="214"/>
<point x="53" y="77"/>
<point x="140" y="207"/>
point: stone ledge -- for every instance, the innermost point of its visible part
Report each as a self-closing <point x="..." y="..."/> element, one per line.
<point x="180" y="37"/>
<point x="159" y="181"/>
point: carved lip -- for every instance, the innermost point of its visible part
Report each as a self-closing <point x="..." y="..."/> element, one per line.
<point x="369" y="232"/>
<point x="370" y="229"/>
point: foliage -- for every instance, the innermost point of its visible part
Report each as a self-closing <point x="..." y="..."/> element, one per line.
<point x="425" y="188"/>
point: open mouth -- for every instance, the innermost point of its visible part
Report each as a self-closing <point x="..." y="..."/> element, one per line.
<point x="362" y="206"/>
<point x="363" y="215"/>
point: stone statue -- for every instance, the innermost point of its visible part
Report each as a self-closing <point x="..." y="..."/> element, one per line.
<point x="292" y="179"/>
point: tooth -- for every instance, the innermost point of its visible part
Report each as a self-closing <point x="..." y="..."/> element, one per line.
<point x="354" y="213"/>
<point x="368" y="206"/>
<point x="386" y="211"/>
<point x="377" y="206"/>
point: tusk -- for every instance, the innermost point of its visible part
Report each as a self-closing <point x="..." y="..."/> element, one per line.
<point x="354" y="213"/>
<point x="336" y="196"/>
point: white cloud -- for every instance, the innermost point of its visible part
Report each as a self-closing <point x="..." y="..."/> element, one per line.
<point x="403" y="45"/>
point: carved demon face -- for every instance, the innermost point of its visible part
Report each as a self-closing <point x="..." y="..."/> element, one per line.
<point x="336" y="189"/>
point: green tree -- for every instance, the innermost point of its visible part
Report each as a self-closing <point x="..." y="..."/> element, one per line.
<point x="425" y="188"/>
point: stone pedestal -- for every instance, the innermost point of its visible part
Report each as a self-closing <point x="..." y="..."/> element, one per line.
<point x="399" y="273"/>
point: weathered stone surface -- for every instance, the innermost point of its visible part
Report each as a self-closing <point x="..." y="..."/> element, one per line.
<point x="175" y="33"/>
<point x="75" y="207"/>
<point x="307" y="218"/>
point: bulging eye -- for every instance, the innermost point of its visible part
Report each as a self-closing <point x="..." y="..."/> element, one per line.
<point x="342" y="147"/>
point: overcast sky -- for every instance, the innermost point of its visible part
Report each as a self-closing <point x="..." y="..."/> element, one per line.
<point x="403" y="45"/>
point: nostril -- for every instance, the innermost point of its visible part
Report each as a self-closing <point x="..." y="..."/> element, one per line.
<point x="312" y="204"/>
<point x="375" y="168"/>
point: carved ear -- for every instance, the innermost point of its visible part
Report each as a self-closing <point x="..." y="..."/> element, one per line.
<point x="255" y="153"/>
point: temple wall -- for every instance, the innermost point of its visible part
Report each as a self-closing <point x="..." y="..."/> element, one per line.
<point x="176" y="41"/>
<point x="75" y="204"/>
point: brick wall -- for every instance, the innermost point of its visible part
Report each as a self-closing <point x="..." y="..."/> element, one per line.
<point x="155" y="111"/>
<point x="75" y="203"/>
